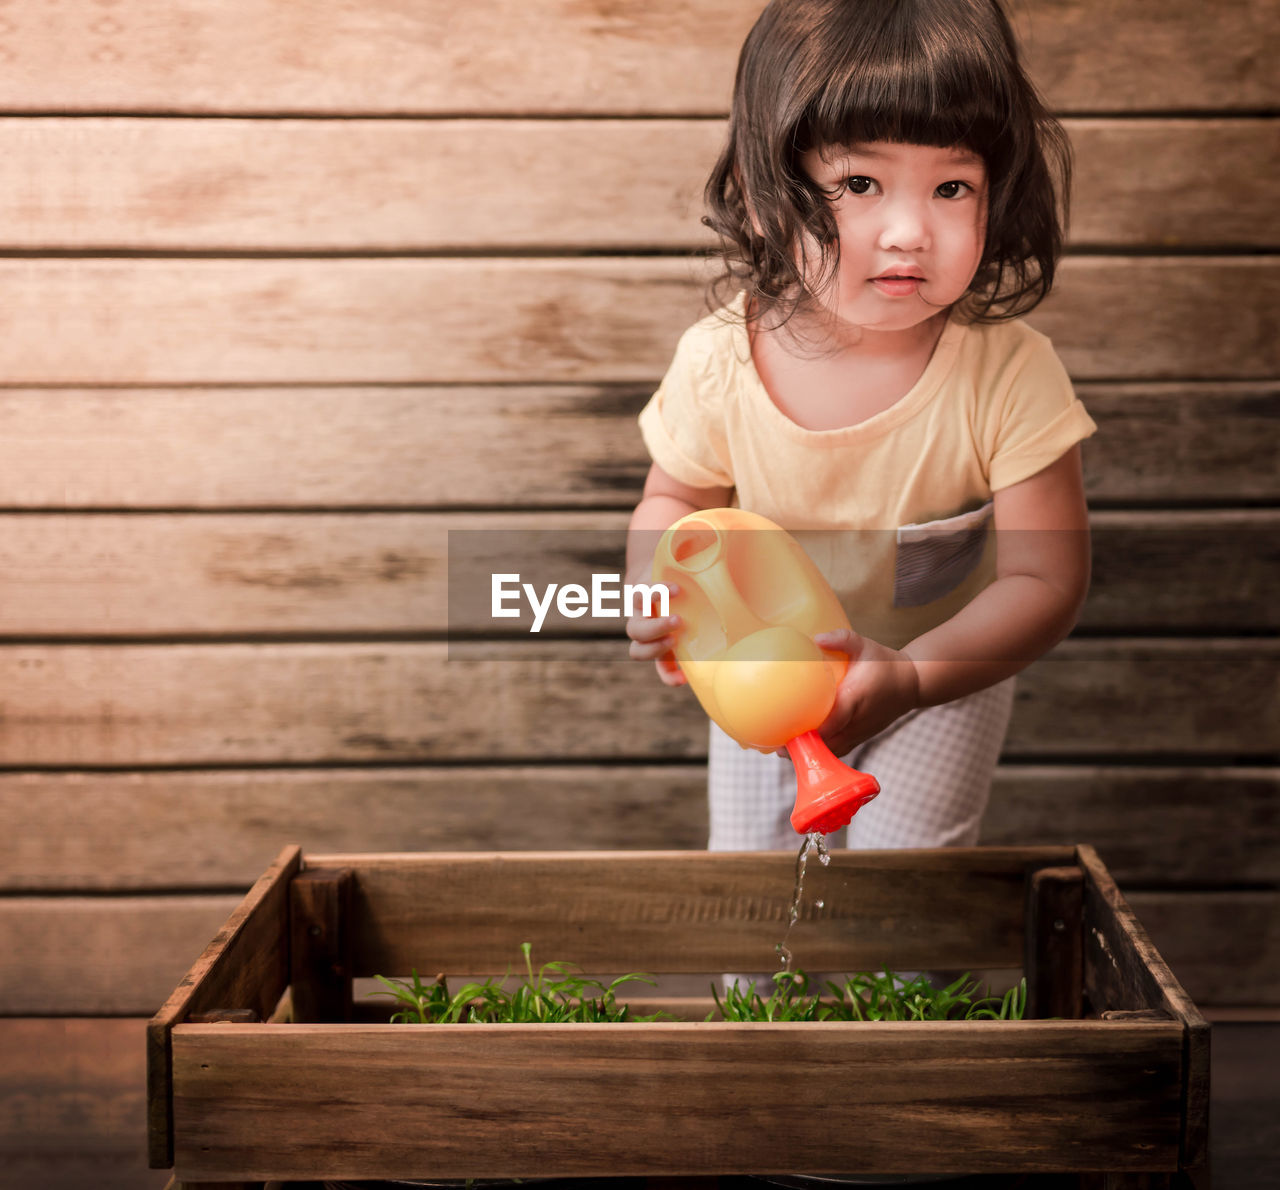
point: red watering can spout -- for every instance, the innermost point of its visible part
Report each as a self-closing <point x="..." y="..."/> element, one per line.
<point x="829" y="793"/>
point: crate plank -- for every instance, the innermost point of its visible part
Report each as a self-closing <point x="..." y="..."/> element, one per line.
<point x="91" y="1072"/>
<point x="1053" y="947"/>
<point x="553" y="445"/>
<point x="413" y="320"/>
<point x="674" y="912"/>
<point x="1123" y="970"/>
<point x="1222" y="945"/>
<point x="216" y="829"/>
<point x="320" y="941"/>
<point x="559" y="57"/>
<point x="295" y="1100"/>
<point x="246" y="965"/>
<point x="138" y="705"/>
<point x="73" y="1105"/>
<point x="358" y="185"/>
<point x="202" y="575"/>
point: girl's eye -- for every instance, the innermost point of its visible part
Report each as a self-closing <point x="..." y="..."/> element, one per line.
<point x="859" y="184"/>
<point x="951" y="189"/>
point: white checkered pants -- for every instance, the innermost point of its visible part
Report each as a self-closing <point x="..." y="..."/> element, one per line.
<point x="934" y="766"/>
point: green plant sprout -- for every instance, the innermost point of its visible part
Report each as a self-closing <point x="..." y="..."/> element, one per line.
<point x="867" y="996"/>
<point x="556" y="994"/>
<point x="559" y="993"/>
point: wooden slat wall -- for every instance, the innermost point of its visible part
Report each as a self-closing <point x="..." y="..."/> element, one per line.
<point x="293" y="292"/>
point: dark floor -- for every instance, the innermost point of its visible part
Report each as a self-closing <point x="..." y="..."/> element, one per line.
<point x="1244" y="1107"/>
<point x="973" y="1182"/>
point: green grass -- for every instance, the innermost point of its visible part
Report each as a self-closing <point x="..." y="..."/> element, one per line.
<point x="557" y="993"/>
<point x="867" y="996"/>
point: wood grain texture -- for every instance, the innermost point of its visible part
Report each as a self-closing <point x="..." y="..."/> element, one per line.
<point x="227" y="704"/>
<point x="103" y="955"/>
<point x="1222" y="964"/>
<point x="1182" y="443"/>
<point x="320" y="942"/>
<point x="246" y="965"/>
<point x="356" y="185"/>
<point x="124" y="955"/>
<point x="567" y="57"/>
<point x="560" y="446"/>
<point x="1157" y="827"/>
<point x="192" y="831"/>
<point x="368" y="396"/>
<point x="1053" y="943"/>
<point x="73" y="1105"/>
<point x="90" y="1072"/>
<point x="689" y="911"/>
<point x="1128" y="172"/>
<point x="1021" y="1096"/>
<point x="415" y="320"/>
<point x="1123" y="969"/>
<point x="329" y="447"/>
<point x="136" y="575"/>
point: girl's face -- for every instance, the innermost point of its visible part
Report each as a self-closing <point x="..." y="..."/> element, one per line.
<point x="912" y="222"/>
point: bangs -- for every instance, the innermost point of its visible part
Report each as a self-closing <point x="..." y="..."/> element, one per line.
<point x="910" y="80"/>
<point x="825" y="74"/>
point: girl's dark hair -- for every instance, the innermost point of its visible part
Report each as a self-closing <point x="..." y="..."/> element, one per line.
<point x="836" y="72"/>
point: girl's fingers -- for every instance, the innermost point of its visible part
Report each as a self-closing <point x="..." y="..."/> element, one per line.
<point x="669" y="671"/>
<point x="843" y="641"/>
<point x="652" y="638"/>
<point x="649" y="650"/>
<point x="645" y="630"/>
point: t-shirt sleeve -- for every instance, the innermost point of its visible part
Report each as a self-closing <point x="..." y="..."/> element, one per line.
<point x="683" y="425"/>
<point x="1040" y="417"/>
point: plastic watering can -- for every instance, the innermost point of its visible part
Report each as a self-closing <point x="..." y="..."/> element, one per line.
<point x="750" y="602"/>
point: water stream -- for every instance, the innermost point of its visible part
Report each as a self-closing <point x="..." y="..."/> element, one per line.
<point x="814" y="844"/>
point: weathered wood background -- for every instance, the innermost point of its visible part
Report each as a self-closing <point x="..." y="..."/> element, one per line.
<point x="293" y="291"/>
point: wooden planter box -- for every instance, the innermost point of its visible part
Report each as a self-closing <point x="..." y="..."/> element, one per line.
<point x="249" y="1084"/>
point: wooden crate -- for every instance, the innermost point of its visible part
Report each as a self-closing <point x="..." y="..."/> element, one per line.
<point x="248" y="1083"/>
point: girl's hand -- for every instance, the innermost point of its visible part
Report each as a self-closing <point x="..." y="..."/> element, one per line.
<point x="652" y="638"/>
<point x="879" y="687"/>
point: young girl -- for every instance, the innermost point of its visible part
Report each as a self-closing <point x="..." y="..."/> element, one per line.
<point x="888" y="205"/>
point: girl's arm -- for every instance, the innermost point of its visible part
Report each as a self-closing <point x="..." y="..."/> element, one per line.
<point x="1042" y="576"/>
<point x="665" y="501"/>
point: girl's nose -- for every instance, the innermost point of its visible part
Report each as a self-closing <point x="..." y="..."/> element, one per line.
<point x="904" y="229"/>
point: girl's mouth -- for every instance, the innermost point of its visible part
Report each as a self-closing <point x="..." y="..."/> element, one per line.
<point x="897" y="284"/>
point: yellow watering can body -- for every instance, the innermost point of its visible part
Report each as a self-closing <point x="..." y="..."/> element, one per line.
<point x="750" y="602"/>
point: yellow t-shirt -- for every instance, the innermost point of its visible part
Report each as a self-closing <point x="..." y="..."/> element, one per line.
<point x="895" y="510"/>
